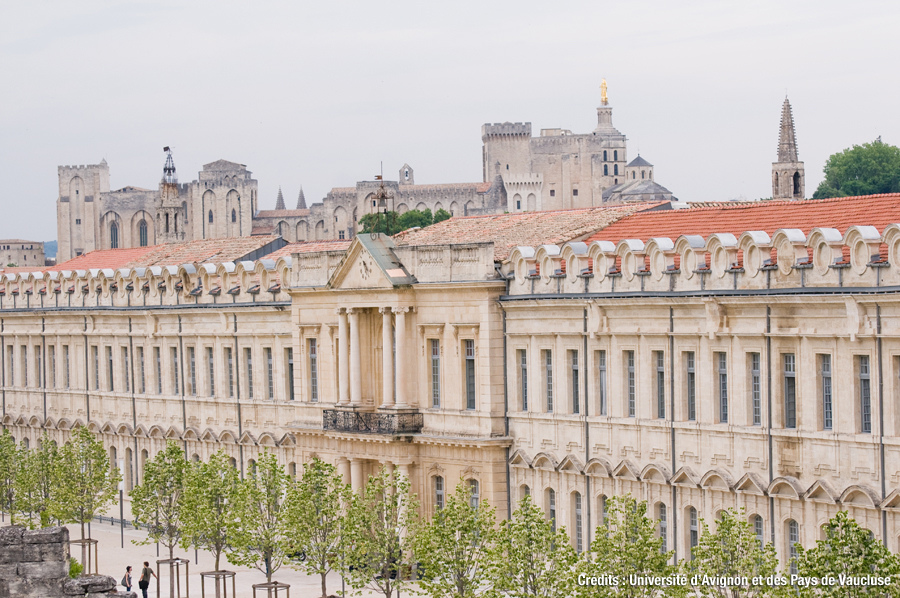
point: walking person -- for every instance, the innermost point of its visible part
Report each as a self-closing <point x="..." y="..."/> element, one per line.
<point x="126" y="579"/>
<point x="144" y="582"/>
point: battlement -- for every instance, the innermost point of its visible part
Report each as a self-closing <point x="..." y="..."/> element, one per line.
<point x="505" y="129"/>
<point x="81" y="167"/>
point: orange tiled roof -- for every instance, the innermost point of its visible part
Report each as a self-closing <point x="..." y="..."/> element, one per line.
<point x="525" y="228"/>
<point x="769" y="216"/>
<point x="170" y="254"/>
<point x="280" y="213"/>
<point x="309" y="246"/>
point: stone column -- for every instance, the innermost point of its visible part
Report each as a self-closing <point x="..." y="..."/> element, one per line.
<point x="355" y="367"/>
<point x="402" y="357"/>
<point x="403" y="473"/>
<point x="387" y="358"/>
<point x="356" y="474"/>
<point x="343" y="361"/>
<point x="343" y="469"/>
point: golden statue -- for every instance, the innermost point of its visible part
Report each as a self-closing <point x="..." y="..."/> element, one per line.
<point x="603" y="99"/>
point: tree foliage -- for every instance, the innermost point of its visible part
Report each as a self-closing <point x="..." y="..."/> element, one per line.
<point x="9" y="468"/>
<point x="451" y="548"/>
<point x="627" y="544"/>
<point x="38" y="487"/>
<point x="212" y="500"/>
<point x="380" y="520"/>
<point x="158" y="501"/>
<point x="735" y="552"/>
<point x="848" y="550"/>
<point x="315" y="514"/>
<point x="861" y="170"/>
<point x="262" y="538"/>
<point x="441" y="215"/>
<point x="530" y="558"/>
<point x="392" y="223"/>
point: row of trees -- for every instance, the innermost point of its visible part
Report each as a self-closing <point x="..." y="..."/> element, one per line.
<point x="391" y="223"/>
<point x="376" y="539"/>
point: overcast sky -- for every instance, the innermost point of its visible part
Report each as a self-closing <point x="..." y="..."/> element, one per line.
<point x="319" y="94"/>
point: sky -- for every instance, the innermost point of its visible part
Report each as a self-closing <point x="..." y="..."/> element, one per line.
<point x="321" y="94"/>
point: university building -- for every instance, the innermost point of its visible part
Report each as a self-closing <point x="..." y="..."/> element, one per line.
<point x="735" y="355"/>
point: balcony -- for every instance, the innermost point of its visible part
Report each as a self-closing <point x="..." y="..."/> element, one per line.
<point x="373" y="422"/>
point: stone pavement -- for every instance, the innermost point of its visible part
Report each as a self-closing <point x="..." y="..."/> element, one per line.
<point x="113" y="559"/>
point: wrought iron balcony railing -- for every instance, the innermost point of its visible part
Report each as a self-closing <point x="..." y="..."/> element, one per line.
<point x="372" y="422"/>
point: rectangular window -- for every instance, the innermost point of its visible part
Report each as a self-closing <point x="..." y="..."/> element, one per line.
<point x="551" y="508"/>
<point x="289" y="359"/>
<point x="865" y="395"/>
<point x="438" y="492"/>
<point x="722" y="363"/>
<point x="109" y="370"/>
<point x="157" y="353"/>
<point x="435" y="372"/>
<point x="694" y="534"/>
<point x="176" y="389"/>
<point x="248" y="361"/>
<point x="755" y="390"/>
<point x="142" y="371"/>
<point x="126" y="368"/>
<point x="66" y="365"/>
<point x="38" y="372"/>
<point x="470" y="374"/>
<point x="576" y="401"/>
<point x="523" y="378"/>
<point x="211" y="371"/>
<point x="790" y="391"/>
<point x="313" y="372"/>
<point x="691" y="390"/>
<point x="660" y="359"/>
<point x="548" y="378"/>
<point x="10" y="352"/>
<point x="601" y="380"/>
<point x="24" y="366"/>
<point x="95" y="355"/>
<point x="629" y="380"/>
<point x="825" y="373"/>
<point x="192" y="371"/>
<point x="51" y="356"/>
<point x="579" y="533"/>
<point x="270" y="375"/>
<point x="663" y="528"/>
<point x="229" y="366"/>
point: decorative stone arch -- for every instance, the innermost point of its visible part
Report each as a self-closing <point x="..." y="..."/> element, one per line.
<point x="598" y="467"/>
<point x="657" y="473"/>
<point x="626" y="469"/>
<point x="822" y="492"/>
<point x="470" y="205"/>
<point x="522" y="261"/>
<point x="156" y="432"/>
<point x="192" y="434"/>
<point x="790" y="247"/>
<point x="865" y="244"/>
<point x="35" y="422"/>
<point x="519" y="459"/>
<point x="724" y="253"/>
<point x="685" y="477"/>
<point x="827" y="245"/>
<point x="544" y="461"/>
<point x="603" y="256"/>
<point x="302" y="231"/>
<point x="751" y="483"/>
<point x="108" y="428"/>
<point x="402" y="208"/>
<point x="94" y="427"/>
<point x="228" y="437"/>
<point x="632" y="256"/>
<point x="173" y="434"/>
<point x="662" y="256"/>
<point x="209" y="435"/>
<point x="320" y="230"/>
<point x="141" y="431"/>
<point x="691" y="250"/>
<point x="859" y="496"/>
<point x="785" y="487"/>
<point x="717" y="479"/>
<point x="247" y="439"/>
<point x="267" y="440"/>
<point x="571" y="464"/>
<point x="454" y="209"/>
<point x="575" y="255"/>
<point x="124" y="429"/>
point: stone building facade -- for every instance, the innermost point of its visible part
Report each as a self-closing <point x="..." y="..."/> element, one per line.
<point x="731" y="356"/>
<point x="22" y="254"/>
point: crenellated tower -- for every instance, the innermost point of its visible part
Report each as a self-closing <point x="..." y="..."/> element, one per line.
<point x="172" y="213"/>
<point x="788" y="177"/>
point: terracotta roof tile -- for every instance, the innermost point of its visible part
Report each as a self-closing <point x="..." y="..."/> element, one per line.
<point x="525" y="228"/>
<point x="769" y="216"/>
<point x="307" y="247"/>
<point x="281" y="213"/>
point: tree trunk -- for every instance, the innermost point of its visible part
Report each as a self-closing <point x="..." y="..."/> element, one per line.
<point x="324" y="591"/>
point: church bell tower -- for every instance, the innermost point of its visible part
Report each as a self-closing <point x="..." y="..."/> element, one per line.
<point x="788" y="178"/>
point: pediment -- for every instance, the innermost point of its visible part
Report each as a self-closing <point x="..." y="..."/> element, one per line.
<point x="370" y="263"/>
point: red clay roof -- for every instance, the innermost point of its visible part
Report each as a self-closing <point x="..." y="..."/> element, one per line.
<point x="170" y="254"/>
<point x="769" y="216"/>
<point x="309" y="246"/>
<point x="507" y="231"/>
<point x="280" y="213"/>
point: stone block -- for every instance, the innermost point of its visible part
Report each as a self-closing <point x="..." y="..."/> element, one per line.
<point x="48" y="570"/>
<point x="47" y="535"/>
<point x="31" y="553"/>
<point x="10" y="554"/>
<point x="9" y="571"/>
<point x="11" y="535"/>
<point x="89" y="584"/>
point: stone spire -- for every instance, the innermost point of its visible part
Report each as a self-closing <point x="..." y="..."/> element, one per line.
<point x="169" y="175"/>
<point x="787" y="139"/>
<point x="279" y="203"/>
<point x="301" y="200"/>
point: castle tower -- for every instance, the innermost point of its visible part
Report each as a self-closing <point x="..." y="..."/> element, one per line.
<point x="77" y="209"/>
<point x="506" y="144"/>
<point x="279" y="202"/>
<point x="788" y="177"/>
<point x="171" y="215"/>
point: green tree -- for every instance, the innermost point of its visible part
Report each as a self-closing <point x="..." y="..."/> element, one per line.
<point x="861" y="170"/>
<point x="391" y="223"/>
<point x="315" y="515"/>
<point x="158" y="501"/>
<point x="9" y="469"/>
<point x="88" y="482"/>
<point x="411" y="218"/>
<point x="212" y="498"/>
<point x="441" y="215"/>
<point x="262" y="540"/>
<point x="627" y="545"/>
<point x="848" y="550"/>
<point x="39" y="489"/>
<point x="734" y="551"/>
<point x="451" y="548"/>
<point x="530" y="558"/>
<point x="380" y="523"/>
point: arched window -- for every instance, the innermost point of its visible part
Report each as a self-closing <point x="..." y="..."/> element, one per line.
<point x="251" y="465"/>
<point x="27" y="443"/>
<point x="195" y="458"/>
<point x="176" y="223"/>
<point x="475" y="496"/>
<point x="233" y="462"/>
<point x="606" y="170"/>
<point x="662" y="517"/>
<point x="142" y="233"/>
<point x="524" y="491"/>
<point x="167" y="223"/>
<point x="438" y="492"/>
<point x="615" y="169"/>
<point x="633" y="175"/>
<point x="793" y="539"/>
<point x="693" y="531"/>
<point x="643" y="174"/>
<point x="601" y="508"/>
<point x="233" y="216"/>
<point x="757" y="522"/>
<point x="113" y="458"/>
<point x="129" y="470"/>
<point x="113" y="236"/>
<point x="144" y="456"/>
<point x="551" y="508"/>
<point x="577" y="520"/>
<point x="210" y="217"/>
<point x="615" y="155"/>
<point x="796" y="184"/>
